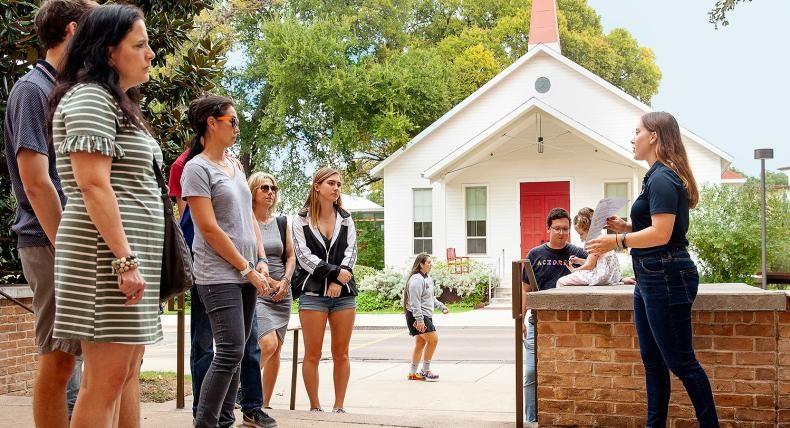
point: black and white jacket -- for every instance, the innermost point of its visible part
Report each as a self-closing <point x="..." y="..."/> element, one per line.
<point x="318" y="266"/>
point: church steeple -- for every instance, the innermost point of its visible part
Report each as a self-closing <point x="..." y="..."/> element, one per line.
<point x="543" y="27"/>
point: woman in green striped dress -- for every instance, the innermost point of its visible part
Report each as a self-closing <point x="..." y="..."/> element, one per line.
<point x="108" y="250"/>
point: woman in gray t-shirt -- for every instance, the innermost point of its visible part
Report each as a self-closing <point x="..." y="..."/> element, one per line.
<point x="273" y="311"/>
<point x="229" y="258"/>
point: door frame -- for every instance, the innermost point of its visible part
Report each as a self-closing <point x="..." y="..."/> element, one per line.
<point x="517" y="197"/>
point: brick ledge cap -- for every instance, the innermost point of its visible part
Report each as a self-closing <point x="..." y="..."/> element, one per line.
<point x="711" y="297"/>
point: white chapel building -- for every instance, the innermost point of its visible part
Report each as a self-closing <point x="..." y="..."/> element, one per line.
<point x="544" y="133"/>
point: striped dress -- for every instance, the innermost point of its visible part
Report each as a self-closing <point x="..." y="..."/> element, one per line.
<point x="89" y="304"/>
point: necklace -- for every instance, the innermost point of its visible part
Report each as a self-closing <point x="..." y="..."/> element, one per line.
<point x="223" y="164"/>
<point x="268" y="224"/>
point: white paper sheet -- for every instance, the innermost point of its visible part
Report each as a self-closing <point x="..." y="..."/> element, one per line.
<point x="606" y="208"/>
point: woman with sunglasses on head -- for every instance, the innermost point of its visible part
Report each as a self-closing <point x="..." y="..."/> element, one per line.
<point x="109" y="241"/>
<point x="325" y="242"/>
<point x="229" y="258"/>
<point x="273" y="311"/>
<point x="666" y="276"/>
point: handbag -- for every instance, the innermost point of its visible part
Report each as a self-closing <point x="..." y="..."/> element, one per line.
<point x="176" y="275"/>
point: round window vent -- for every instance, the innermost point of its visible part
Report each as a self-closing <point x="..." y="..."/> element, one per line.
<point x="542" y="85"/>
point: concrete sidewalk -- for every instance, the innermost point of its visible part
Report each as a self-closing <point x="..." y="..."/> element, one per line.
<point x="469" y="394"/>
<point x="17" y="413"/>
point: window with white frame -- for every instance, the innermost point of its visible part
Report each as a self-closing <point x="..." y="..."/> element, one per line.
<point x="423" y="217"/>
<point x="618" y="190"/>
<point x="476" y="220"/>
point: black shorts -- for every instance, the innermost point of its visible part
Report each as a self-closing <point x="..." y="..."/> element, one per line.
<point x="410" y="323"/>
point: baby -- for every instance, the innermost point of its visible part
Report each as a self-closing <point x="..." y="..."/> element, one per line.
<point x="603" y="270"/>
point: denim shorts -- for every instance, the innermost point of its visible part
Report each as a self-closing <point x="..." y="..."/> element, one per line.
<point x="326" y="304"/>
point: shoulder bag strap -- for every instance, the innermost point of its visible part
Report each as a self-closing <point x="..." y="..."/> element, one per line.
<point x="168" y="204"/>
<point x="282" y="221"/>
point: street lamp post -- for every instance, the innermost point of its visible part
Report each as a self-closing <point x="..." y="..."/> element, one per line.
<point x="763" y="154"/>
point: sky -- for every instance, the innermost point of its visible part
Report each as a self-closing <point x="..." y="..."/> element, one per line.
<point x="730" y="86"/>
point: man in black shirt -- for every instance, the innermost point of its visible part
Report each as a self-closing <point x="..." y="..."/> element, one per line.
<point x="549" y="260"/>
<point x="549" y="263"/>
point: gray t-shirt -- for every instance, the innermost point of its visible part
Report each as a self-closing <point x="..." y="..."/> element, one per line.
<point x="273" y="245"/>
<point x="232" y="204"/>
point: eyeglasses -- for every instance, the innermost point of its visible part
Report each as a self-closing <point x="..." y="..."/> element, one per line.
<point x="561" y="229"/>
<point x="234" y="121"/>
<point x="266" y="188"/>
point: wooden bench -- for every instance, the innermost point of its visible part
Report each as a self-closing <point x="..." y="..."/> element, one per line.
<point x="782" y="278"/>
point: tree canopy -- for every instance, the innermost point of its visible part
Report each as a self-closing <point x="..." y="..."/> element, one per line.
<point x="718" y="15"/>
<point x="347" y="83"/>
<point x="190" y="49"/>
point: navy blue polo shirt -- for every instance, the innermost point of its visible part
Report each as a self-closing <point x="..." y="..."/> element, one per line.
<point x="26" y="127"/>
<point x="662" y="193"/>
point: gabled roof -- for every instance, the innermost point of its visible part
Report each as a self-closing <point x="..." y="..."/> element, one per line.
<point x="532" y="104"/>
<point x="379" y="168"/>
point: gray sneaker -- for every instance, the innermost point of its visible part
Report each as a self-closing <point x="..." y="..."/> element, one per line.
<point x="259" y="419"/>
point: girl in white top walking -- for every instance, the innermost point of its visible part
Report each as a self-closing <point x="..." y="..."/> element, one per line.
<point x="596" y="270"/>
<point x="419" y="302"/>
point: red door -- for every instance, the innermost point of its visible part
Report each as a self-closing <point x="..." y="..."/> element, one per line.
<point x="537" y="199"/>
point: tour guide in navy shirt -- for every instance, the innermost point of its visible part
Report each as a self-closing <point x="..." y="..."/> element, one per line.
<point x="549" y="263"/>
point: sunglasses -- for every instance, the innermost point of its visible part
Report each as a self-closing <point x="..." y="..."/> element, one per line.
<point x="266" y="188"/>
<point x="234" y="121"/>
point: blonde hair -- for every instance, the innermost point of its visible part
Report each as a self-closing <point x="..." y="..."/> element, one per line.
<point x="256" y="181"/>
<point x="583" y="218"/>
<point x="670" y="150"/>
<point x="311" y="205"/>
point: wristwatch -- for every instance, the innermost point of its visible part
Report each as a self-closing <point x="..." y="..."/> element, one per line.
<point x="250" y="267"/>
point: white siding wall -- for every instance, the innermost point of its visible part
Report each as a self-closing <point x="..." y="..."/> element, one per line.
<point x="502" y="180"/>
<point x="705" y="164"/>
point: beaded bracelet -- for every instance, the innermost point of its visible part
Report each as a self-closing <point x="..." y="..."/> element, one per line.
<point x="125" y="264"/>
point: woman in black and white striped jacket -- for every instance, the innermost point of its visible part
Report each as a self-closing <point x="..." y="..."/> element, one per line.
<point x="324" y="240"/>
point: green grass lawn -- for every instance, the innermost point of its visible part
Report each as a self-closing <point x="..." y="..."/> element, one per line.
<point x="160" y="387"/>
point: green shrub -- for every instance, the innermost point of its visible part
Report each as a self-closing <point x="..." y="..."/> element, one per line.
<point x="471" y="287"/>
<point x="386" y="284"/>
<point x="468" y="286"/>
<point x="368" y="301"/>
<point x="370" y="243"/>
<point x="362" y="271"/>
<point x="725" y="232"/>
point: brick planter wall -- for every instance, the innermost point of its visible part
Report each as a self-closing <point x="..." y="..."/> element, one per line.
<point x="17" y="344"/>
<point x="590" y="371"/>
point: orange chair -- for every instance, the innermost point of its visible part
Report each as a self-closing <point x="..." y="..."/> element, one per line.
<point x="456" y="264"/>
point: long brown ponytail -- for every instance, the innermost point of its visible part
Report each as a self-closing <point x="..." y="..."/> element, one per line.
<point x="670" y="150"/>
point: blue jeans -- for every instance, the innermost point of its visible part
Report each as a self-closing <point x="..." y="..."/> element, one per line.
<point x="666" y="288"/>
<point x="231" y="313"/>
<point x="530" y="376"/>
<point x="73" y="386"/>
<point x="202" y="352"/>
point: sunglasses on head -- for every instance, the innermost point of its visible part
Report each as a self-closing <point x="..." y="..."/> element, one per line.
<point x="234" y="121"/>
<point x="266" y="188"/>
